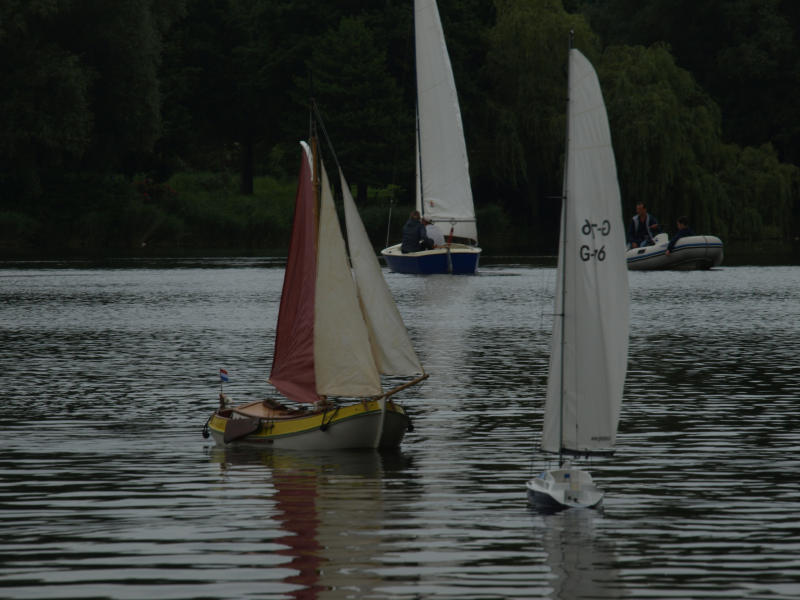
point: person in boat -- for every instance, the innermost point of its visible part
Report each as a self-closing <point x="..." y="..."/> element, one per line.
<point x="414" y="236"/>
<point x="643" y="228"/>
<point x="434" y="233"/>
<point x="683" y="231"/>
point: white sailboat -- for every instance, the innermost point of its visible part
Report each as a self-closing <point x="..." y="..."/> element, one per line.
<point x="338" y="330"/>
<point x="443" y="188"/>
<point x="589" y="348"/>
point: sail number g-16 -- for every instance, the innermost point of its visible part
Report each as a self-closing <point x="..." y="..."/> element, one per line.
<point x="590" y="228"/>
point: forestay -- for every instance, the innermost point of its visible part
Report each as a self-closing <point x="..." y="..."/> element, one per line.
<point x="589" y="350"/>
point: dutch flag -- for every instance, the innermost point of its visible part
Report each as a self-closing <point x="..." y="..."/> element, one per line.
<point x="223" y="375"/>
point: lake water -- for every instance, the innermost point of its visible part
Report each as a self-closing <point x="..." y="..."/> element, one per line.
<point x="108" y="490"/>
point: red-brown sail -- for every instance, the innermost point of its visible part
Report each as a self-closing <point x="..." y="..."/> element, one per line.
<point x="293" y="359"/>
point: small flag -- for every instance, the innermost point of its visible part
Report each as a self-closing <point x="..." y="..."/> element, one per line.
<point x="223" y="375"/>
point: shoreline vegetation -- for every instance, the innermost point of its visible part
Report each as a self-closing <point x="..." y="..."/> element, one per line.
<point x="204" y="215"/>
<point x="172" y="127"/>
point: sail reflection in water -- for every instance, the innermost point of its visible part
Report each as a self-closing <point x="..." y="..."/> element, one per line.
<point x="582" y="564"/>
<point x="317" y="498"/>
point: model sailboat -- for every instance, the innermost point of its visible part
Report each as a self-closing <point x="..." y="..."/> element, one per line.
<point x="338" y="330"/>
<point x="589" y="349"/>
<point x="443" y="189"/>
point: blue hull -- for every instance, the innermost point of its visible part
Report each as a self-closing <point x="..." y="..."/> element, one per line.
<point x="434" y="263"/>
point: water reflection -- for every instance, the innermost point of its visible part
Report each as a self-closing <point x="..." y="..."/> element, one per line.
<point x="582" y="563"/>
<point x="107" y="489"/>
<point x="328" y="511"/>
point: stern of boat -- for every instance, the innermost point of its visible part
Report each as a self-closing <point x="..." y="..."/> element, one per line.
<point x="456" y="259"/>
<point x="564" y="488"/>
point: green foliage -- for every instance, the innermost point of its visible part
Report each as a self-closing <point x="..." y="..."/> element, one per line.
<point x="45" y="104"/>
<point x="526" y="58"/>
<point x="496" y="230"/>
<point x="89" y="211"/>
<point x="183" y="93"/>
<point x="524" y="140"/>
<point x="662" y="125"/>
<point x="361" y="106"/>
<point x="19" y="230"/>
<point x="383" y="227"/>
<point x="215" y="215"/>
<point x="761" y="192"/>
<point x="744" y="53"/>
<point x="670" y="154"/>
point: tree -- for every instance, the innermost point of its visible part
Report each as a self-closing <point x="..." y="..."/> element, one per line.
<point x="45" y="105"/>
<point x="230" y="66"/>
<point x="744" y="53"/>
<point x="662" y="124"/>
<point x="120" y="43"/>
<point x="370" y="127"/>
<point x="668" y="144"/>
<point x="526" y="66"/>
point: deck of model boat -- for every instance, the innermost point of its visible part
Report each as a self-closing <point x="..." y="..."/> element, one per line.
<point x="260" y="410"/>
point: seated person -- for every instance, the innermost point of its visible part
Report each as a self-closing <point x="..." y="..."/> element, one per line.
<point x="434" y="233"/>
<point x="414" y="237"/>
<point x="683" y="231"/>
<point x="643" y="228"/>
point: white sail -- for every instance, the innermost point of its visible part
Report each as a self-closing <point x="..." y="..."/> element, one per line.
<point x="446" y="189"/>
<point x="392" y="347"/>
<point x="588" y="362"/>
<point x="344" y="365"/>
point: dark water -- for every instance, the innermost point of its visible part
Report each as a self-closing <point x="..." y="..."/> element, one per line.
<point x="107" y="489"/>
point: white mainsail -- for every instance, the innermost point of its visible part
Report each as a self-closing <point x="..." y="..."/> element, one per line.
<point x="391" y="345"/>
<point x="446" y="189"/>
<point x="589" y="349"/>
<point x="344" y="365"/>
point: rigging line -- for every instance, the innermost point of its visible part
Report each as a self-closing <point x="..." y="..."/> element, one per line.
<point x="563" y="258"/>
<point x="323" y="426"/>
<point x="321" y="123"/>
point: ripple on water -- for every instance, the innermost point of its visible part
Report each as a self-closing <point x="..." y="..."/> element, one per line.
<point x="110" y="491"/>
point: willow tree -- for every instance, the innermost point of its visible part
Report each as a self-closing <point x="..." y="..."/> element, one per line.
<point x="744" y="53"/>
<point x="762" y="192"/>
<point x="525" y="67"/>
<point x="670" y="153"/>
<point x="666" y="134"/>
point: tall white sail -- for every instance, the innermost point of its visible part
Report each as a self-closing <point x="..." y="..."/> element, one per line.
<point x="446" y="189"/>
<point x="392" y="347"/>
<point x="343" y="361"/>
<point x="589" y="350"/>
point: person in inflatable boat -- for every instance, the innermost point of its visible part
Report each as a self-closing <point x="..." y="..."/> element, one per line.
<point x="683" y="231"/>
<point x="643" y="228"/>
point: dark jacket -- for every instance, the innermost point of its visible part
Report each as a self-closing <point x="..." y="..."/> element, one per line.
<point x="686" y="231"/>
<point x="414" y="238"/>
<point x="640" y="233"/>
